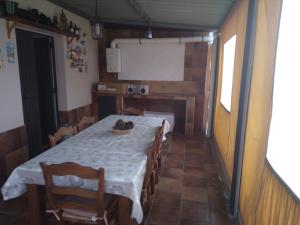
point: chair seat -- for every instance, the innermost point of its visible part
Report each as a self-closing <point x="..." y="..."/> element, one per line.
<point x="75" y="214"/>
<point x="83" y="215"/>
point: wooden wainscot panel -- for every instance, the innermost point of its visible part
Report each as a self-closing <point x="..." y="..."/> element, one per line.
<point x="113" y="88"/>
<point x="156" y="87"/>
<point x="10" y="141"/>
<point x="174" y="87"/>
<point x="75" y="115"/>
<point x="15" y="158"/>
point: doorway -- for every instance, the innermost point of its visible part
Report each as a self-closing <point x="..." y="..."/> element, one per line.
<point x="38" y="85"/>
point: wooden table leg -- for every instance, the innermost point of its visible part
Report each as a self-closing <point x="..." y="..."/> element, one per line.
<point x="119" y="104"/>
<point x="36" y="205"/>
<point x="125" y="207"/>
<point x="189" y="117"/>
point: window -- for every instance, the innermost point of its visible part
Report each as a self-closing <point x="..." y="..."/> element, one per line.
<point x="227" y="75"/>
<point x="283" y="145"/>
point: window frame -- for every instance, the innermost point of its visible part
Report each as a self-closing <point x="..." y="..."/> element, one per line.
<point x="228" y="64"/>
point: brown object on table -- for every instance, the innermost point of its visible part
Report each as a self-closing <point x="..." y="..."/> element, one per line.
<point x="75" y="204"/>
<point x="85" y="122"/>
<point x="60" y="134"/>
<point x="131" y="111"/>
<point x="123" y="127"/>
<point x="116" y="131"/>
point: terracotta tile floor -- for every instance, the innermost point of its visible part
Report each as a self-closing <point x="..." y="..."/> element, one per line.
<point x="188" y="191"/>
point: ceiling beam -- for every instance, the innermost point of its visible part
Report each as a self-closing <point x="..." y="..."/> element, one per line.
<point x="140" y="11"/>
<point x="111" y="23"/>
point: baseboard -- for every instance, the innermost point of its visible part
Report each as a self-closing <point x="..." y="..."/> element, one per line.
<point x="73" y="116"/>
<point x="240" y="220"/>
<point x="220" y="164"/>
<point x="224" y="176"/>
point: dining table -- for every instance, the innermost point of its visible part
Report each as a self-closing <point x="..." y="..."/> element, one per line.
<point x="123" y="156"/>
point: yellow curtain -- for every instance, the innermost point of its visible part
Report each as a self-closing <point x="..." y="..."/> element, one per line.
<point x="276" y="204"/>
<point x="264" y="200"/>
<point x="225" y="122"/>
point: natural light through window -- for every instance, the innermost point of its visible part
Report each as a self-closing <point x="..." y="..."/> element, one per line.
<point x="284" y="146"/>
<point x="227" y="75"/>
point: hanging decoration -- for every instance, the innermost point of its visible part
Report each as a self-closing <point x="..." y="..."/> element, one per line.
<point x="10" y="52"/>
<point x="77" y="55"/>
<point x="86" y="68"/>
<point x="63" y="21"/>
<point x="97" y="28"/>
<point x="148" y="33"/>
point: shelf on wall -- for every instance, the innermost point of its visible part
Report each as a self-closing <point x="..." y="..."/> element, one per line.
<point x="12" y="21"/>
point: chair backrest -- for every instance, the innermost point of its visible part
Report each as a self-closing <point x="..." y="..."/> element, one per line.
<point x="85" y="122"/>
<point x="159" y="136"/>
<point x="151" y="160"/>
<point x="60" y="134"/>
<point x="132" y="111"/>
<point x="153" y="153"/>
<point x="55" y="193"/>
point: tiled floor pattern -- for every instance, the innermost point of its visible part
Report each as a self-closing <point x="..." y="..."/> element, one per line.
<point x="188" y="191"/>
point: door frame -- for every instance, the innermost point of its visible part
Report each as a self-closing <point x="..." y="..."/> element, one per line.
<point x="243" y="107"/>
<point x="52" y="41"/>
<point x="55" y="39"/>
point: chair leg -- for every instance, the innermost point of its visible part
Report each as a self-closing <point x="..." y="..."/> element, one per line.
<point x="159" y="163"/>
<point x="156" y="173"/>
<point x="145" y="200"/>
<point x="153" y="182"/>
<point x="61" y="222"/>
<point x="156" y="178"/>
<point x="116" y="218"/>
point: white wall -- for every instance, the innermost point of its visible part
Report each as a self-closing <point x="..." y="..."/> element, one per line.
<point x="11" y="112"/>
<point x="74" y="88"/>
<point x="157" y="61"/>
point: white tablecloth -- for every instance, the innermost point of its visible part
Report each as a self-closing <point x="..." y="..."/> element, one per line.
<point x="122" y="156"/>
<point x="169" y="116"/>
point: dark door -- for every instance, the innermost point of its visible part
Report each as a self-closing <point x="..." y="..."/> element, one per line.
<point x="45" y="70"/>
<point x="38" y="85"/>
<point x="106" y="106"/>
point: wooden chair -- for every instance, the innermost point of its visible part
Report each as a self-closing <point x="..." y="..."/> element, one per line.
<point x="160" y="137"/>
<point x="61" y="134"/>
<point x="85" y="122"/>
<point x="149" y="179"/>
<point x="76" y="204"/>
<point x="151" y="175"/>
<point x="131" y="111"/>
